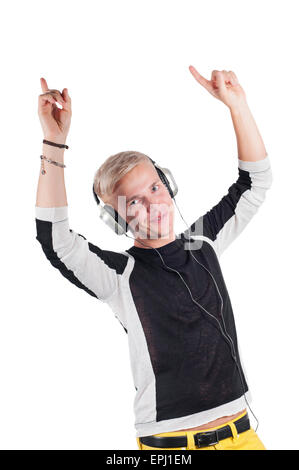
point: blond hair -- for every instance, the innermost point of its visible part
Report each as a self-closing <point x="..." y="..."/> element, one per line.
<point x="113" y="169"/>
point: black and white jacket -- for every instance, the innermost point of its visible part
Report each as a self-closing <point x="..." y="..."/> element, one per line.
<point x="182" y="367"/>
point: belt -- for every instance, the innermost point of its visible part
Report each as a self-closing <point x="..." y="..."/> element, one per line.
<point x="201" y="439"/>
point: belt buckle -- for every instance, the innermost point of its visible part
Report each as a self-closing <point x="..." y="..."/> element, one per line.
<point x="204" y="439"/>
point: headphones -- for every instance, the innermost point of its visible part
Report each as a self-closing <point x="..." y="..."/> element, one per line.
<point x="112" y="218"/>
<point x="120" y="226"/>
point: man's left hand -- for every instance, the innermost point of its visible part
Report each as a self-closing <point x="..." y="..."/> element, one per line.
<point x="223" y="85"/>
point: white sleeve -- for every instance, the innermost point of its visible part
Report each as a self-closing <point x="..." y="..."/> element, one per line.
<point x="227" y="219"/>
<point x="84" y="264"/>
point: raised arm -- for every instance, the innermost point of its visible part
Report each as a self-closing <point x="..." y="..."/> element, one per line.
<point x="90" y="268"/>
<point x="226" y="220"/>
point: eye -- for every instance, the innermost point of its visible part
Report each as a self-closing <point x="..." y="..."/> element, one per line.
<point x="132" y="202"/>
<point x="155" y="186"/>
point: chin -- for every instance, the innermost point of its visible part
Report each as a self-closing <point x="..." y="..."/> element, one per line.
<point x="160" y="234"/>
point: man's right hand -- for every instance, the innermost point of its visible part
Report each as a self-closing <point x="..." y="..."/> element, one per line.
<point x="55" y="122"/>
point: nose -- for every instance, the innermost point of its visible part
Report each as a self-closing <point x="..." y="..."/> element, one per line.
<point x="157" y="209"/>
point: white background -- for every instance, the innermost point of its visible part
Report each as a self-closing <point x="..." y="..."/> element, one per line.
<point x="65" y="374"/>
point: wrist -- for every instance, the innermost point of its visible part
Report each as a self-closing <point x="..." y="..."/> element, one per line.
<point x="238" y="108"/>
<point x="55" y="153"/>
<point x="57" y="139"/>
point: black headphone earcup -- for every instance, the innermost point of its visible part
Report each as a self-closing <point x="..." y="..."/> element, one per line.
<point x="122" y="222"/>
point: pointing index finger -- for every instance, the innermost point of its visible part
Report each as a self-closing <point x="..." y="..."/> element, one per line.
<point x="44" y="85"/>
<point x="203" y="81"/>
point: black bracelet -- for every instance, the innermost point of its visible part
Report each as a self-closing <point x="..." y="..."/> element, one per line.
<point x="55" y="144"/>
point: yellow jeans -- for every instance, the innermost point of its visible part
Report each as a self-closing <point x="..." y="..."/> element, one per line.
<point x="247" y="440"/>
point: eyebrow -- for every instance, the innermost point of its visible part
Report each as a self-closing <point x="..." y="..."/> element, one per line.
<point x="138" y="195"/>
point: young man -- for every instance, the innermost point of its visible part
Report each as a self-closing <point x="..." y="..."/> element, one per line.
<point x="190" y="393"/>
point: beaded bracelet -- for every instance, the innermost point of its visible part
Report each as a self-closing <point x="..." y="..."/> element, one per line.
<point x="43" y="157"/>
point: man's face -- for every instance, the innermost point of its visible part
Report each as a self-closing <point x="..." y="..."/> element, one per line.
<point x="140" y="198"/>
